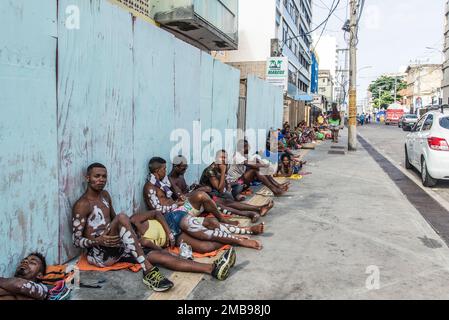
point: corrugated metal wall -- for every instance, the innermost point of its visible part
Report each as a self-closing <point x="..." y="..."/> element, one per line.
<point x="264" y="106"/>
<point x="28" y="146"/>
<point x="122" y="87"/>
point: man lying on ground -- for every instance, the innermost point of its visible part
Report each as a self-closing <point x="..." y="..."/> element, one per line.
<point x="25" y="285"/>
<point x="109" y="238"/>
<point x="182" y="218"/>
<point x="181" y="190"/>
<point x="244" y="172"/>
<point x="214" y="177"/>
<point x="155" y="235"/>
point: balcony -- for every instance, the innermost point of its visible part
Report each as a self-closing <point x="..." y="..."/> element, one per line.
<point x="208" y="24"/>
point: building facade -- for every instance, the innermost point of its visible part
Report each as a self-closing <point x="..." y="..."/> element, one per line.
<point x="326" y="87"/>
<point x="423" y="85"/>
<point x="289" y="21"/>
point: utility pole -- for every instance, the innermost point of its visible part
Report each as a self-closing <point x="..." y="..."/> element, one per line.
<point x="395" y="89"/>
<point x="352" y="123"/>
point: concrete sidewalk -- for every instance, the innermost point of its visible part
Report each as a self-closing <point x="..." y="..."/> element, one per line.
<point x="346" y="218"/>
<point x="340" y="225"/>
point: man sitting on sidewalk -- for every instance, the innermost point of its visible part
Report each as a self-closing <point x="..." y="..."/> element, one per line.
<point x="109" y="238"/>
<point x="179" y="185"/>
<point x="25" y="285"/>
<point x="242" y="172"/>
<point x="182" y="216"/>
<point x="155" y="235"/>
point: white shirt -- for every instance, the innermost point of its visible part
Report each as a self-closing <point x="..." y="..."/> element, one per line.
<point x="237" y="168"/>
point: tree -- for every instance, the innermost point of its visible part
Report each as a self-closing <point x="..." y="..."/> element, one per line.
<point x="385" y="87"/>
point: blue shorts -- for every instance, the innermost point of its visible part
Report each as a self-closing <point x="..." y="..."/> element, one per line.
<point x="174" y="219"/>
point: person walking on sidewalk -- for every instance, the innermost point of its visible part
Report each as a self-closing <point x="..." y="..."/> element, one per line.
<point x="334" y="124"/>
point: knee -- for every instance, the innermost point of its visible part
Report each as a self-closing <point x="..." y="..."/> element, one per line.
<point x="123" y="219"/>
<point x="203" y="196"/>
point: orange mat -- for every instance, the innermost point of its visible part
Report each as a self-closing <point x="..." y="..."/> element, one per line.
<point x="203" y="255"/>
<point x="84" y="265"/>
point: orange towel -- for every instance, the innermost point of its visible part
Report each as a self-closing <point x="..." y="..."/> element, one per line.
<point x="247" y="192"/>
<point x="55" y="273"/>
<point x="84" y="265"/>
<point x="203" y="255"/>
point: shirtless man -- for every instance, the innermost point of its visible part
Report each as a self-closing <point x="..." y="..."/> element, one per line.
<point x="183" y="216"/>
<point x="181" y="190"/>
<point x="154" y="234"/>
<point x="214" y="177"/>
<point x="109" y="238"/>
<point x="25" y="285"/>
<point x="245" y="172"/>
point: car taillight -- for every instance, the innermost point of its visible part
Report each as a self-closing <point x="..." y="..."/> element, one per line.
<point x="439" y="144"/>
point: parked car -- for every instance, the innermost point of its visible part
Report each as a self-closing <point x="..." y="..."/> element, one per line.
<point x="408" y="121"/>
<point x="427" y="147"/>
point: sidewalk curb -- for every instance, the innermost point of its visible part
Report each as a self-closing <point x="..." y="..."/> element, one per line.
<point x="444" y="203"/>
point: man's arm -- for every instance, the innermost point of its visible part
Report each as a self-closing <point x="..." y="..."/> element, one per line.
<point x="81" y="211"/>
<point x="21" y="287"/>
<point x="157" y="200"/>
<point x="218" y="184"/>
<point x="175" y="188"/>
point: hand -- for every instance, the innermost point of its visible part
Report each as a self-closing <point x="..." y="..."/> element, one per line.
<point x="180" y="203"/>
<point x="171" y="240"/>
<point x="222" y="168"/>
<point x="182" y="197"/>
<point x="109" y="241"/>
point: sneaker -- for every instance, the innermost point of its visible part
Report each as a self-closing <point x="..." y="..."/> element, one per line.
<point x="221" y="267"/>
<point x="185" y="251"/>
<point x="156" y="281"/>
<point x="232" y="256"/>
<point x="59" y="292"/>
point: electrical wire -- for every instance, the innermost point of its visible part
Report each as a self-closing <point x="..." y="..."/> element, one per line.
<point x="311" y="31"/>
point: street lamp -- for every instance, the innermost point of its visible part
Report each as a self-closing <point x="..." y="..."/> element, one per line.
<point x="367" y="67"/>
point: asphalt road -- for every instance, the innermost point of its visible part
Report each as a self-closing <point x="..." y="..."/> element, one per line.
<point x="347" y="231"/>
<point x="390" y="141"/>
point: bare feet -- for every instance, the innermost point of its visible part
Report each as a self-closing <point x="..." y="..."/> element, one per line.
<point x="278" y="192"/>
<point x="258" y="229"/>
<point x="252" y="244"/>
<point x="254" y="217"/>
<point x="266" y="208"/>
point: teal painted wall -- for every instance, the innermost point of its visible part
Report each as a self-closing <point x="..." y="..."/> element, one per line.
<point x="120" y="87"/>
<point x="28" y="146"/>
<point x="264" y="106"/>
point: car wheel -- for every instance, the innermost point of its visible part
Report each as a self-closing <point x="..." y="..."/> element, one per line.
<point x="427" y="180"/>
<point x="408" y="165"/>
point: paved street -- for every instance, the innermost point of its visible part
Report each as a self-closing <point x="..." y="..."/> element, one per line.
<point x="340" y="223"/>
<point x="390" y="141"/>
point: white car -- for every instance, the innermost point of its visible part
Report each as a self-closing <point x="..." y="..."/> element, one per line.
<point x="427" y="147"/>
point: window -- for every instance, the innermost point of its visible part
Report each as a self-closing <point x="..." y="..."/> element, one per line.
<point x="444" y="122"/>
<point x="428" y="123"/>
<point x="420" y="123"/>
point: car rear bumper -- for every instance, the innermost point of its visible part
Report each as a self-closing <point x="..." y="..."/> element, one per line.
<point x="438" y="164"/>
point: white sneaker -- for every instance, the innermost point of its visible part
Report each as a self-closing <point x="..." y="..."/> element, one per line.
<point x="185" y="251"/>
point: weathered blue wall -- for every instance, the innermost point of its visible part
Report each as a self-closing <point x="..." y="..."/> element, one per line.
<point x="264" y="106"/>
<point x="28" y="148"/>
<point x="122" y="86"/>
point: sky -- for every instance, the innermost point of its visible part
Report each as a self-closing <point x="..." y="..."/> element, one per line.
<point x="393" y="33"/>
